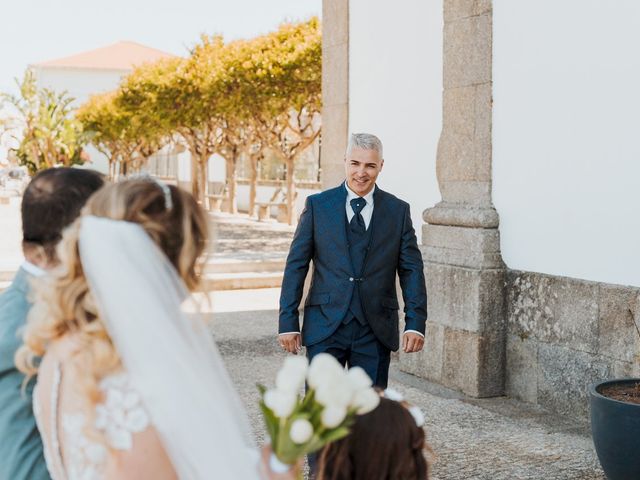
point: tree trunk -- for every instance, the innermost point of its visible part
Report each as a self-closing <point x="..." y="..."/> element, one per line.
<point x="195" y="177"/>
<point x="291" y="191"/>
<point x="232" y="185"/>
<point x="203" y="168"/>
<point x="253" y="185"/>
<point x="206" y="202"/>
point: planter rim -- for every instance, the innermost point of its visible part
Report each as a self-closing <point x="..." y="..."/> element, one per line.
<point x="595" y="393"/>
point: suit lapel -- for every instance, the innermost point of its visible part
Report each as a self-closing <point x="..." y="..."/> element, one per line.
<point x="338" y="220"/>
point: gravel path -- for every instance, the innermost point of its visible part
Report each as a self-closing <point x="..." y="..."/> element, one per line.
<point x="492" y="439"/>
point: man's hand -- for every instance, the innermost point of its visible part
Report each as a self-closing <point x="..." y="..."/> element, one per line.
<point x="412" y="342"/>
<point x="290" y="342"/>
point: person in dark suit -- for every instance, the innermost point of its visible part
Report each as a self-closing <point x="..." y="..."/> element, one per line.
<point x="359" y="237"/>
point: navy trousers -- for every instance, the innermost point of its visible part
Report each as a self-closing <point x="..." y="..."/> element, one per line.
<point x="355" y="345"/>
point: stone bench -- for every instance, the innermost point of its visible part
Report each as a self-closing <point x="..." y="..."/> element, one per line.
<point x="215" y="202"/>
<point x="264" y="210"/>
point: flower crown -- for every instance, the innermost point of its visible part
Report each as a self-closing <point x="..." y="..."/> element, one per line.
<point x="415" y="411"/>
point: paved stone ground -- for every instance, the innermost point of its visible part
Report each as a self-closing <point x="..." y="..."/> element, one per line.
<point x="492" y="439"/>
<point x="239" y="237"/>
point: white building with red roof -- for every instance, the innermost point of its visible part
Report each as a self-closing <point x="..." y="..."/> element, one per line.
<point x="94" y="71"/>
<point x="97" y="71"/>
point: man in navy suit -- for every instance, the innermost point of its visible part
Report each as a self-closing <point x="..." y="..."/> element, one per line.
<point x="359" y="237"/>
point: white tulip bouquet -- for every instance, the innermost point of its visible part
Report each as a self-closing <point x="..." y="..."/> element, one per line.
<point x="300" y="424"/>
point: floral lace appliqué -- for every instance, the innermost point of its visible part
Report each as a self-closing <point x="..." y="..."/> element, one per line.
<point x="122" y="414"/>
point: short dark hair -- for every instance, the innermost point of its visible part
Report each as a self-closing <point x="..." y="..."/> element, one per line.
<point x="52" y="201"/>
<point x="385" y="443"/>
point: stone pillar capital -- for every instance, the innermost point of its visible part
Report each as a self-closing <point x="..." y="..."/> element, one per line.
<point x="469" y="216"/>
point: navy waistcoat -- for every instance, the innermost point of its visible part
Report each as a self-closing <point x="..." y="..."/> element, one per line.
<point x="358" y="247"/>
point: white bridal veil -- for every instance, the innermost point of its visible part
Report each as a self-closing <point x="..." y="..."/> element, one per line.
<point x="169" y="355"/>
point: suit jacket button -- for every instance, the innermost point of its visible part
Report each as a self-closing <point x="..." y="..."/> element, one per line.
<point x="351" y="279"/>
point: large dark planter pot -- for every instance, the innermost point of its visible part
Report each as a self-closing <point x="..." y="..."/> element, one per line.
<point x="615" y="427"/>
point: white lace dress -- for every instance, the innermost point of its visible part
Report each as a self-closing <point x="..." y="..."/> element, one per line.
<point x="83" y="458"/>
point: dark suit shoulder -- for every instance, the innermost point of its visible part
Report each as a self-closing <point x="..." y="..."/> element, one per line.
<point x="327" y="195"/>
<point x="391" y="199"/>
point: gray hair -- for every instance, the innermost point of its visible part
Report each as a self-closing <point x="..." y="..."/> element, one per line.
<point x="365" y="141"/>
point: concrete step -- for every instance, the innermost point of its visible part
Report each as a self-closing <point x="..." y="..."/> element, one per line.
<point x="239" y="266"/>
<point x="241" y="281"/>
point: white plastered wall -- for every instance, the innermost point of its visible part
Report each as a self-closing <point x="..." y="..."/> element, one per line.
<point x="566" y="155"/>
<point x="395" y="92"/>
<point x="79" y="83"/>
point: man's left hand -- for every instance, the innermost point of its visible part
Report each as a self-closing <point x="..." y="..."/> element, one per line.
<point x="412" y="342"/>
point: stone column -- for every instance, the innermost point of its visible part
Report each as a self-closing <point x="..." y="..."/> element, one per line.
<point x="465" y="340"/>
<point x="335" y="90"/>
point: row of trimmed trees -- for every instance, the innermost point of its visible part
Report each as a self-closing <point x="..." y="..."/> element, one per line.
<point x="232" y="99"/>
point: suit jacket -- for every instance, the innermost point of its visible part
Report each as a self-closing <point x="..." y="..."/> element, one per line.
<point x="21" y="456"/>
<point x="321" y="236"/>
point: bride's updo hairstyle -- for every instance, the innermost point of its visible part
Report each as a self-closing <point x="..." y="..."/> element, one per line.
<point x="63" y="303"/>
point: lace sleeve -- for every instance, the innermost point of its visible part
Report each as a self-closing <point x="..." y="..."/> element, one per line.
<point x="122" y="413"/>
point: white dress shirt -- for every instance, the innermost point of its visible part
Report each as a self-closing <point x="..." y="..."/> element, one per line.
<point x="32" y="269"/>
<point x="367" y="213"/>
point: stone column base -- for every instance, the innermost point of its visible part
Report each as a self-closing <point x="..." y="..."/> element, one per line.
<point x="465" y="336"/>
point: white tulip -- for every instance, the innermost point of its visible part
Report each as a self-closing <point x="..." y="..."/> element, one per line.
<point x="292" y="374"/>
<point x="324" y="369"/>
<point x="301" y="431"/>
<point x="332" y="416"/>
<point x="336" y="391"/>
<point x="365" y="401"/>
<point x="282" y="402"/>
<point x="359" y="378"/>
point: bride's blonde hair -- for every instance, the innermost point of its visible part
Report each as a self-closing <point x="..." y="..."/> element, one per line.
<point x="63" y="302"/>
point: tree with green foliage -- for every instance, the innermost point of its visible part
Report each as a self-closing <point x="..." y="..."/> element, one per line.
<point x="125" y="126"/>
<point x="99" y="115"/>
<point x="50" y="135"/>
<point x="236" y="99"/>
<point x="148" y="124"/>
<point x="187" y="94"/>
<point x="283" y="78"/>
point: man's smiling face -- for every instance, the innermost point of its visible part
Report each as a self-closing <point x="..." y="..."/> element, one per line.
<point x="362" y="168"/>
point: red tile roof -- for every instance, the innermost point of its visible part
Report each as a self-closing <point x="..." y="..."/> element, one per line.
<point x="119" y="56"/>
